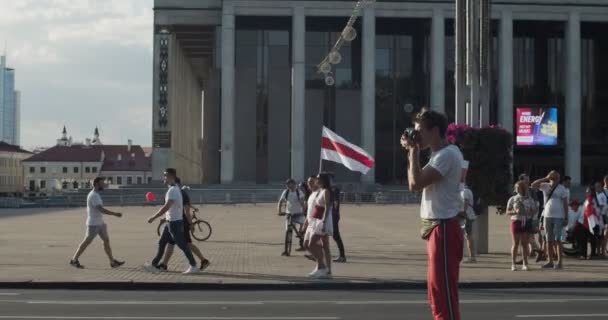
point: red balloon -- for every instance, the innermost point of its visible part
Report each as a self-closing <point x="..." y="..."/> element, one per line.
<point x="150" y="196"/>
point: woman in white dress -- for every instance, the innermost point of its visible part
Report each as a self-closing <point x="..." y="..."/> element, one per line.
<point x="319" y="226"/>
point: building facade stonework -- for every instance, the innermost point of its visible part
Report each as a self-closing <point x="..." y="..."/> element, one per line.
<point x="237" y="96"/>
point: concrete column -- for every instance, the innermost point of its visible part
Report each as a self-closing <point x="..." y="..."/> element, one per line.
<point x="438" y="61"/>
<point x="368" y="88"/>
<point x="298" y="95"/>
<point x="505" y="81"/>
<point x="573" y="97"/>
<point x="228" y="92"/>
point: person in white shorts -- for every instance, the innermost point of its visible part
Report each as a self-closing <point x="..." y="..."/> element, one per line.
<point x="319" y="226"/>
<point x="96" y="226"/>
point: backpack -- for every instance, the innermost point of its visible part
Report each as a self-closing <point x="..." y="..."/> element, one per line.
<point x="297" y="193"/>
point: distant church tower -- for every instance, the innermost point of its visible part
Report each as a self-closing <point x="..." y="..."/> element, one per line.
<point x="96" y="141"/>
<point x="64" y="141"/>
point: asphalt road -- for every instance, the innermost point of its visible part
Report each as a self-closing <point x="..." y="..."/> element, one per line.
<point x="523" y="303"/>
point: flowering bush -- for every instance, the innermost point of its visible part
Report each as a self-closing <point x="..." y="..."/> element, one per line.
<point x="489" y="152"/>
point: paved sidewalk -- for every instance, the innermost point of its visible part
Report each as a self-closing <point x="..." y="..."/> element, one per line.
<point x="382" y="242"/>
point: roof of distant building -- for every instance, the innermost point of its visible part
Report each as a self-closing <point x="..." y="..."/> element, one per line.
<point x="11" y="148"/>
<point x="115" y="157"/>
<point x="119" y="158"/>
<point x="74" y="153"/>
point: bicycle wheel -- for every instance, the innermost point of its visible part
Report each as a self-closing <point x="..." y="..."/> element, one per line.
<point x="288" y="239"/>
<point x="201" y="231"/>
<point x="160" y="228"/>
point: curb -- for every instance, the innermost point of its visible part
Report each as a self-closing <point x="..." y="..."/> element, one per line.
<point x="325" y="285"/>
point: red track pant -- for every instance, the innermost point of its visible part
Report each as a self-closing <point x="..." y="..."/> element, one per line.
<point x="444" y="249"/>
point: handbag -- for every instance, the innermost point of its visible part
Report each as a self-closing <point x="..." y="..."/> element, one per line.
<point x="318" y="211"/>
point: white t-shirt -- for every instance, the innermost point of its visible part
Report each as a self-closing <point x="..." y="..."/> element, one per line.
<point x="94" y="216"/>
<point x="294" y="204"/>
<point x="554" y="207"/>
<point x="312" y="200"/>
<point x="441" y="200"/>
<point x="467" y="197"/>
<point x="176" y="211"/>
<point x="529" y="206"/>
<point x="603" y="202"/>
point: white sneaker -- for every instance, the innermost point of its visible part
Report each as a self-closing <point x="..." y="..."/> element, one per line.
<point x="319" y="274"/>
<point x="313" y="271"/>
<point x="192" y="270"/>
<point x="148" y="267"/>
<point x="513" y="267"/>
<point x="470" y="260"/>
<point x="524" y="268"/>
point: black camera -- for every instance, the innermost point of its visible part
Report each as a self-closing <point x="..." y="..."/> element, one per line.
<point x="412" y="134"/>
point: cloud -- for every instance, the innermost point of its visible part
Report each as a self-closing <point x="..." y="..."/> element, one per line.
<point x="82" y="63"/>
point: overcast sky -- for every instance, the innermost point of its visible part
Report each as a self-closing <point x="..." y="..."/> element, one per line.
<point x="82" y="63"/>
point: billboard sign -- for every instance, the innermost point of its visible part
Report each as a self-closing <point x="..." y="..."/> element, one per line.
<point x="536" y="126"/>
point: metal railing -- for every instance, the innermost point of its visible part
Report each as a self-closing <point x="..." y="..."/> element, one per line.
<point x="126" y="197"/>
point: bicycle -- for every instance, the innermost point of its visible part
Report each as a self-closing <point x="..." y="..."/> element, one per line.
<point x="200" y="229"/>
<point x="291" y="229"/>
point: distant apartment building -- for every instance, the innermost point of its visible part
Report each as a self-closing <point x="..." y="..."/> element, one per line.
<point x="11" y="169"/>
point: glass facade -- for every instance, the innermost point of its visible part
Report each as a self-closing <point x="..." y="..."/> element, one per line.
<point x="337" y="107"/>
<point x="402" y="78"/>
<point x="539" y="59"/>
<point x="594" y="88"/>
<point x="263" y="73"/>
<point x="8" y="107"/>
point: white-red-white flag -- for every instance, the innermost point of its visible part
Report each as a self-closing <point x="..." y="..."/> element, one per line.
<point x="335" y="148"/>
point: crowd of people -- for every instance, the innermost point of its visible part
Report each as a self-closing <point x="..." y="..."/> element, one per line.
<point x="314" y="207"/>
<point x="445" y="210"/>
<point x="544" y="217"/>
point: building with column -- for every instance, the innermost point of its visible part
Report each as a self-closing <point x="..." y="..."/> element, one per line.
<point x="10" y="104"/>
<point x="237" y="96"/>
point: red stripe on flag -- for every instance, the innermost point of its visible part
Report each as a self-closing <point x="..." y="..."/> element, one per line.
<point x="346" y="151"/>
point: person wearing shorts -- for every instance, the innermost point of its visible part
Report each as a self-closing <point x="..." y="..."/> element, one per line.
<point x="293" y="199"/>
<point x="521" y="208"/>
<point x="96" y="226"/>
<point x="555" y="215"/>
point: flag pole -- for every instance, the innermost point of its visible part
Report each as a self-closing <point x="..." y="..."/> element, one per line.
<point x="320" y="161"/>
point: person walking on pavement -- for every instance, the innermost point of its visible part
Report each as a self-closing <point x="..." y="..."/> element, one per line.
<point x="187" y="218"/>
<point x="335" y="215"/>
<point x="439" y="182"/>
<point x="555" y="215"/>
<point x="319" y="225"/>
<point x="174" y="229"/>
<point x="96" y="226"/>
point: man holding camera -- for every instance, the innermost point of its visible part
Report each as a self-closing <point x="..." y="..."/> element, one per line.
<point x="439" y="182"/>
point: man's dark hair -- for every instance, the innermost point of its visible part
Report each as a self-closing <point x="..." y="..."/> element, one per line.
<point x="431" y="119"/>
<point x="171" y="172"/>
<point x="178" y="180"/>
<point x="98" y="179"/>
<point x="567" y="178"/>
<point x="324" y="181"/>
<point x="522" y="177"/>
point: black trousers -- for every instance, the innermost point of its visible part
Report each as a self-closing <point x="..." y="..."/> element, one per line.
<point x="337" y="237"/>
<point x="583" y="237"/>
